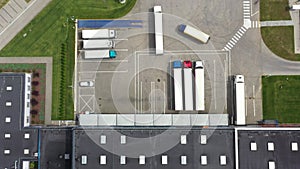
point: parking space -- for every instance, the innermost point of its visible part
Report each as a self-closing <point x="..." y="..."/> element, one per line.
<point x="268" y="146"/>
<point x="158" y="148"/>
<point x="11" y="11"/>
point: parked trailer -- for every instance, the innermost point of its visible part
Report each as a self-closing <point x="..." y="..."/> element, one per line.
<point x="188" y="85"/>
<point x="240" y="109"/>
<point x="193" y="32"/>
<point x="98" y="34"/>
<point x="199" y="86"/>
<point x="159" y="42"/>
<point x="177" y="75"/>
<point x="98" y="44"/>
<point x="99" y="54"/>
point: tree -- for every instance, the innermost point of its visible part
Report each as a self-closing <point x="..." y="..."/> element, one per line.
<point x="34" y="112"/>
<point x="34" y="102"/>
<point x="35" y="93"/>
<point x="35" y="83"/>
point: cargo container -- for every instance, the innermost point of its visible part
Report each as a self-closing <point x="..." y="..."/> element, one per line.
<point x="239" y="100"/>
<point x="193" y="32"/>
<point x="199" y="86"/>
<point x="177" y="75"/>
<point x="98" y="44"/>
<point x="98" y="34"/>
<point x="188" y="86"/>
<point x="159" y="43"/>
<point x="99" y="54"/>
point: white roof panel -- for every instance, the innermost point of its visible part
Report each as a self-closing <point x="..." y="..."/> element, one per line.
<point x="181" y="120"/>
<point x="144" y="119"/>
<point x="162" y="119"/>
<point x="125" y="120"/>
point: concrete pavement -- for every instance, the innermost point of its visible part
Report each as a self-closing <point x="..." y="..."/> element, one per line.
<point x="13" y="22"/>
<point x="277" y="23"/>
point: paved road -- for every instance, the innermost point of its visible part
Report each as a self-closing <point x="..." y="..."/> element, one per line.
<point x="20" y="21"/>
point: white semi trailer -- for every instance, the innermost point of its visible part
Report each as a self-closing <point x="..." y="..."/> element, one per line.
<point x="98" y="34"/>
<point x="99" y="54"/>
<point x="188" y="86"/>
<point x="177" y="75"/>
<point x="239" y="100"/>
<point x="98" y="44"/>
<point x="193" y="32"/>
<point x="199" y="86"/>
<point x="159" y="42"/>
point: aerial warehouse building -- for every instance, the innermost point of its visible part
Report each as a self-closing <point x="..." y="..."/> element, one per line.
<point x="99" y="54"/>
<point x="177" y="75"/>
<point x="188" y="85"/>
<point x="98" y="34"/>
<point x="239" y="100"/>
<point x="98" y="44"/>
<point x="193" y="32"/>
<point x="159" y="42"/>
<point x="199" y="86"/>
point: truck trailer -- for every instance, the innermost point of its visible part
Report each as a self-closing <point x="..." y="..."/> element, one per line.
<point x="177" y="75"/>
<point x="188" y="86"/>
<point x="98" y="44"/>
<point x="239" y="100"/>
<point x="98" y="34"/>
<point x="159" y="41"/>
<point x="199" y="86"/>
<point x="193" y="32"/>
<point x="99" y="54"/>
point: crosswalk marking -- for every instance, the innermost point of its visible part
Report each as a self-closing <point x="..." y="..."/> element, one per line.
<point x="247" y="24"/>
<point x="233" y="41"/>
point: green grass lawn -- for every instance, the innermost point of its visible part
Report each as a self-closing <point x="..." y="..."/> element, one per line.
<point x="281" y="98"/>
<point x="280" y="40"/>
<point x="271" y="10"/>
<point x="53" y="28"/>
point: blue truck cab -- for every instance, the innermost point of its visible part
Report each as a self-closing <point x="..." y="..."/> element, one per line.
<point x="177" y="64"/>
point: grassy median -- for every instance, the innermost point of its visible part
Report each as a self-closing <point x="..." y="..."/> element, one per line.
<point x="51" y="33"/>
<point x="281" y="98"/>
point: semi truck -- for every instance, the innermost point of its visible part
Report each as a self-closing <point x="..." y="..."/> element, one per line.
<point x="239" y="100"/>
<point x="98" y="34"/>
<point x="199" y="86"/>
<point x="99" y="54"/>
<point x="159" y="42"/>
<point x="98" y="44"/>
<point x="177" y="75"/>
<point x="188" y="86"/>
<point x="193" y="32"/>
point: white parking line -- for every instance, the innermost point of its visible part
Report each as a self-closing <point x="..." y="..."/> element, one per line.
<point x="121" y="50"/>
<point x="215" y="93"/>
<point x="164" y="108"/>
<point x="104" y="71"/>
<point x="120" y="39"/>
<point x="253" y="90"/>
<point x="141" y="97"/>
<point x="102" y="61"/>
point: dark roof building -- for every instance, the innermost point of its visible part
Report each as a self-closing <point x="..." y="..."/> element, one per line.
<point x="18" y="144"/>
<point x="119" y="148"/>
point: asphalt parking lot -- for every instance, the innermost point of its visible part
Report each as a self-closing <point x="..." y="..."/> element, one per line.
<point x="139" y="81"/>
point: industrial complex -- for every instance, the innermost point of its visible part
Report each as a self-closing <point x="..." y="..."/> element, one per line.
<point x="151" y="90"/>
